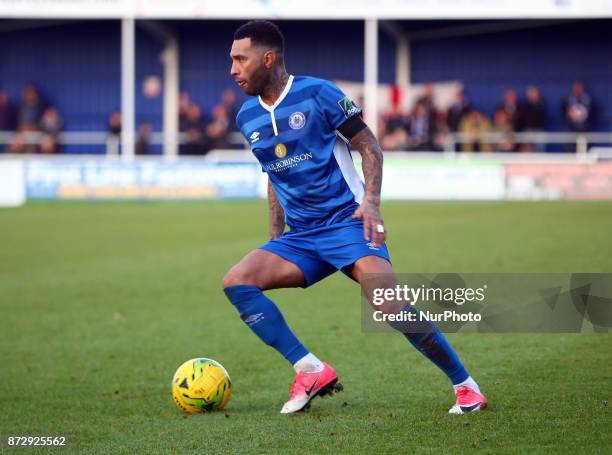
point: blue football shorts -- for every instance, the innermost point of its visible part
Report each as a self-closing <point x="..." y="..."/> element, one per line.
<point x="322" y="251"/>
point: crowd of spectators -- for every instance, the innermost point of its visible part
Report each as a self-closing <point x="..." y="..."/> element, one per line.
<point x="199" y="134"/>
<point x="427" y="128"/>
<point x="36" y="123"/>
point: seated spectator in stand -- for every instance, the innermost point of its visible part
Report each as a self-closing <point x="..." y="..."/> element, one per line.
<point x="6" y="113"/>
<point x="511" y="107"/>
<point x="114" y="133"/>
<point x="19" y="144"/>
<point x="218" y="129"/>
<point x="427" y="100"/>
<point x="475" y="125"/>
<point x="421" y="129"/>
<point x="441" y="131"/>
<point x="532" y="116"/>
<point x="392" y="129"/>
<point x="395" y="140"/>
<point x="16" y="145"/>
<point x="48" y="145"/>
<point x="502" y="126"/>
<point x="30" y="109"/>
<point x="143" y="139"/>
<point x="228" y="100"/>
<point x="578" y="108"/>
<point x="184" y="105"/>
<point x="395" y="120"/>
<point x="114" y="124"/>
<point x="457" y="110"/>
<point x="193" y="127"/>
<point x="50" y="125"/>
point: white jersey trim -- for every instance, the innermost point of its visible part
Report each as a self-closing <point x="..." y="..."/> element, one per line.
<point x="347" y="167"/>
<point x="281" y="97"/>
<point x="273" y="119"/>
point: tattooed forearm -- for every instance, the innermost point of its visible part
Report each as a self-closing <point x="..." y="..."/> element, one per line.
<point x="372" y="159"/>
<point x="275" y="213"/>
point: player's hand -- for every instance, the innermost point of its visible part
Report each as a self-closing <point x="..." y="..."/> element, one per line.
<point x="373" y="225"/>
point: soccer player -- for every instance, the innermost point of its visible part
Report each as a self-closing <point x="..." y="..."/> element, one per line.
<point x="301" y="129"/>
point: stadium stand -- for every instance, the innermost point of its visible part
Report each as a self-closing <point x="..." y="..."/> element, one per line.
<point x="81" y="78"/>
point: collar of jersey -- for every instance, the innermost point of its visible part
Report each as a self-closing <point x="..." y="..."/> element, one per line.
<point x="280" y="98"/>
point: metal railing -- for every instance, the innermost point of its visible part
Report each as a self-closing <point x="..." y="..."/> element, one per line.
<point x="110" y="141"/>
<point x="580" y="140"/>
<point x="452" y="144"/>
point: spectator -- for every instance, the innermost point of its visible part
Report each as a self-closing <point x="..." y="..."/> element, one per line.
<point x="511" y="108"/>
<point x="427" y="100"/>
<point x="392" y="130"/>
<point x="16" y="145"/>
<point x="30" y="109"/>
<point x="114" y="124"/>
<point x="532" y="115"/>
<point x="502" y="126"/>
<point x="475" y="125"/>
<point x="395" y="139"/>
<point x="193" y="127"/>
<point x="228" y="100"/>
<point x="50" y="125"/>
<point x="48" y="144"/>
<point x="441" y="131"/>
<point x="421" y="128"/>
<point x="184" y="105"/>
<point x="114" y="133"/>
<point x="457" y="110"/>
<point x="578" y="108"/>
<point x="143" y="139"/>
<point x="6" y="113"/>
<point x="395" y="120"/>
<point x="218" y="129"/>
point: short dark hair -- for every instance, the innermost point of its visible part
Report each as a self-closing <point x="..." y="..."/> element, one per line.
<point x="262" y="33"/>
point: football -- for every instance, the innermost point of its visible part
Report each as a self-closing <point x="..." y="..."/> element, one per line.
<point x="201" y="385"/>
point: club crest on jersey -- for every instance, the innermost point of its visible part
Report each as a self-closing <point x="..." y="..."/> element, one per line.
<point x="280" y="150"/>
<point x="297" y="120"/>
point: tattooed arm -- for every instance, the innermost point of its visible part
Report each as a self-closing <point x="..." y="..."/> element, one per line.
<point x="276" y="214"/>
<point x="372" y="158"/>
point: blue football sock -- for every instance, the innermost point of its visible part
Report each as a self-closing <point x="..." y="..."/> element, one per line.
<point x="265" y="319"/>
<point x="432" y="343"/>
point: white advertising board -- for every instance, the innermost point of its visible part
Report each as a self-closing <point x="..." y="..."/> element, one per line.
<point x="12" y="187"/>
<point x="442" y="180"/>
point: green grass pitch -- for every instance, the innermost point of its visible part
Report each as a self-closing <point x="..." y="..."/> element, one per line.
<point x="101" y="302"/>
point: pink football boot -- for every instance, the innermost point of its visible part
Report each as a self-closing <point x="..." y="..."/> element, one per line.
<point x="306" y="386"/>
<point x="468" y="400"/>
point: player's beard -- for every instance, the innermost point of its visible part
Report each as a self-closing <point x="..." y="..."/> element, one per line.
<point x="257" y="82"/>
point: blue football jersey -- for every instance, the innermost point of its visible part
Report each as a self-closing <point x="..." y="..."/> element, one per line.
<point x="308" y="162"/>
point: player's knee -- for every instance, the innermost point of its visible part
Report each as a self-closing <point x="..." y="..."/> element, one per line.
<point x="237" y="277"/>
<point x="230" y="279"/>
